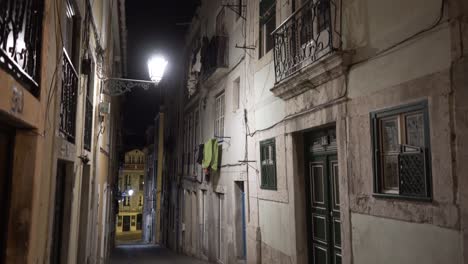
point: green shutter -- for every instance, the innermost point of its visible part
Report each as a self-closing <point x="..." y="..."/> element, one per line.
<point x="268" y="171"/>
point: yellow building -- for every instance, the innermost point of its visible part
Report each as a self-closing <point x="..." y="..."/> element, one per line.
<point x="131" y="185"/>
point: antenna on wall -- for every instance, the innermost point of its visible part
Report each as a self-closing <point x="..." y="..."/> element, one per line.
<point x="237" y="6"/>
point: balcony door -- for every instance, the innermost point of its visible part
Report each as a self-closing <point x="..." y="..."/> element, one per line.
<point x="6" y="149"/>
<point x="323" y="199"/>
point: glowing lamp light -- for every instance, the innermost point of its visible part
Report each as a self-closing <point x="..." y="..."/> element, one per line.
<point x="156" y="67"/>
<point x="130" y="192"/>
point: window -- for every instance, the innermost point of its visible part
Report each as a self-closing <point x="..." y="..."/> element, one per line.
<point x="402" y="151"/>
<point x="267" y="26"/>
<point x="72" y="28"/>
<point x="219" y="115"/>
<point x="127" y="201"/>
<point x="236" y="94"/>
<point x="142" y="183"/>
<point x="128" y="183"/>
<point x="268" y="164"/>
<point x="323" y="18"/>
<point x="220" y="26"/>
<point x="140" y="202"/>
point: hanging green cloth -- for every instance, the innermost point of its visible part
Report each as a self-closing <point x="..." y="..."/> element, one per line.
<point x="215" y="159"/>
<point x="207" y="154"/>
<point x="211" y="155"/>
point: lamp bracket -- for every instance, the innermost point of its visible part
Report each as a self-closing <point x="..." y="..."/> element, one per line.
<point x="119" y="86"/>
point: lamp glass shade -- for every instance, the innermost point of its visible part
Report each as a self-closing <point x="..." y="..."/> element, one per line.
<point x="156" y="67"/>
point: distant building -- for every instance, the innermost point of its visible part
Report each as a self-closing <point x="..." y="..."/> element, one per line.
<point x="131" y="186"/>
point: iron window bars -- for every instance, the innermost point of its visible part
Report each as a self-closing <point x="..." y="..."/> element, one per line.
<point x="68" y="99"/>
<point x="308" y="35"/>
<point x="20" y="41"/>
<point x="401" y="152"/>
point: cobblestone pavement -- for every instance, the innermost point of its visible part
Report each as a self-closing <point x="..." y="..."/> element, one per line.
<point x="143" y="254"/>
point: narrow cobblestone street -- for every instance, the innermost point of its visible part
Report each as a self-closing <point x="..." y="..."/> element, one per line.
<point x="142" y="254"/>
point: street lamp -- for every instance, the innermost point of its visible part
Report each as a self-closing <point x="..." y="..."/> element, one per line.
<point x="130" y="192"/>
<point x="118" y="86"/>
<point x="156" y="67"/>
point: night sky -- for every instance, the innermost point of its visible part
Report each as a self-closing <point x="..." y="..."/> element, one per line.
<point x="152" y="28"/>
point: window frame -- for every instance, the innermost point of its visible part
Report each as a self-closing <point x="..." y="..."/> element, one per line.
<point x="375" y="122"/>
<point x="268" y="185"/>
<point x="220" y="114"/>
<point x="265" y="16"/>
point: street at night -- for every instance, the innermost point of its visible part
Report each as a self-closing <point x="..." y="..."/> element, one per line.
<point x="233" y="131"/>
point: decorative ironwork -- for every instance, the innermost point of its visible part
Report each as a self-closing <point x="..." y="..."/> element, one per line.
<point x="88" y="124"/>
<point x="68" y="99"/>
<point x="309" y="34"/>
<point x="20" y="40"/>
<point x="214" y="55"/>
<point x="119" y="86"/>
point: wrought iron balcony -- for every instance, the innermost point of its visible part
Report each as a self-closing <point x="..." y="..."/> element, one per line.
<point x="308" y="35"/>
<point x="214" y="55"/>
<point x="88" y="124"/>
<point x="20" y="40"/>
<point x="68" y="99"/>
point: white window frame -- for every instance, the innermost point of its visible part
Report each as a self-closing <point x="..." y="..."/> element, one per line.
<point x="219" y="115"/>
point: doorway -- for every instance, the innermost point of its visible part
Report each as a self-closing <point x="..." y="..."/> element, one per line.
<point x="126" y="223"/>
<point x="6" y="150"/>
<point x="62" y="213"/>
<point x="323" y="200"/>
<point x="84" y="215"/>
<point x="139" y="222"/>
<point x="240" y="220"/>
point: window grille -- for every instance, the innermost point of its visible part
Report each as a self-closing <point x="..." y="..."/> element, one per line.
<point x="20" y="41"/>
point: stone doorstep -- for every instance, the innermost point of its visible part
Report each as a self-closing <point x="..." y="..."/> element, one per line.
<point x="313" y="75"/>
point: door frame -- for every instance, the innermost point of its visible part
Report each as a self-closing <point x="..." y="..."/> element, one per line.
<point x="327" y="156"/>
<point x="5" y="193"/>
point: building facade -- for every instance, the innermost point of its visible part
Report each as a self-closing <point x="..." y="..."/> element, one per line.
<point x="57" y="140"/>
<point x="132" y="188"/>
<point x="341" y="132"/>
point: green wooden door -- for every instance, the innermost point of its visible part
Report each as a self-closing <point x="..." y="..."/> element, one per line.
<point x="323" y="201"/>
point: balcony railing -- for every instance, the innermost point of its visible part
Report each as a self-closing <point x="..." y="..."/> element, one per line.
<point x="308" y="35"/>
<point x="20" y="40"/>
<point x="214" y="55"/>
<point x="68" y="100"/>
<point x="88" y="124"/>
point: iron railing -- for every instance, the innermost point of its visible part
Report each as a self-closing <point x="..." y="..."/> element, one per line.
<point x="214" y="55"/>
<point x="69" y="99"/>
<point x="88" y="124"/>
<point x="309" y="34"/>
<point x="20" y="40"/>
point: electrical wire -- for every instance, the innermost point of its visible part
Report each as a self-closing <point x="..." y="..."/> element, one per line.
<point x="384" y="51"/>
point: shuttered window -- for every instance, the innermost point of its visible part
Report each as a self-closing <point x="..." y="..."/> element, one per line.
<point x="402" y="152"/>
<point x="268" y="164"/>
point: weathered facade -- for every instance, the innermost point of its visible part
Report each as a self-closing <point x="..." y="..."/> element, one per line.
<point x="340" y="122"/>
<point x="57" y="142"/>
